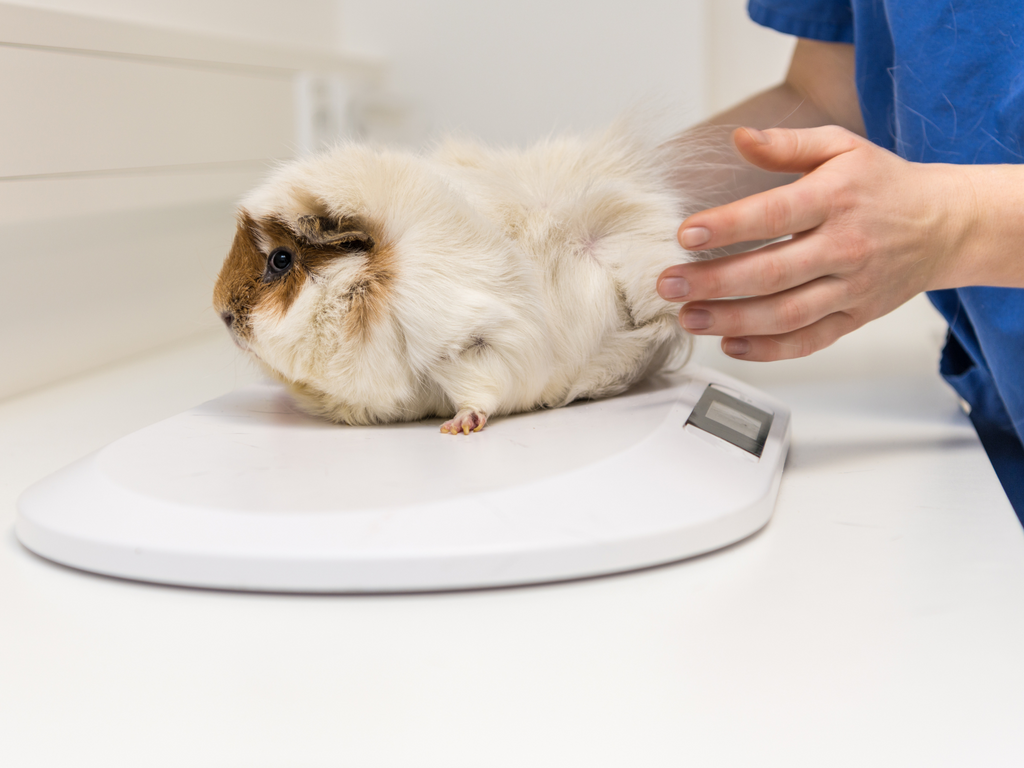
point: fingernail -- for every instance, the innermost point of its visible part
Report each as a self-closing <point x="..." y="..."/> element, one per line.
<point x="694" y="237"/>
<point x="673" y="288"/>
<point x="697" y="319"/>
<point x="759" y="136"/>
<point x="736" y="347"/>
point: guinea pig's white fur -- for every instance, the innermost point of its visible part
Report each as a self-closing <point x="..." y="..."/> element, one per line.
<point x="468" y="283"/>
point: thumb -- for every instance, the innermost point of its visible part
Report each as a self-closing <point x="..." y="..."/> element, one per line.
<point x="793" y="150"/>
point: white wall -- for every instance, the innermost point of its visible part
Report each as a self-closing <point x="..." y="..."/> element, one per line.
<point x="743" y="57"/>
<point x="514" y="71"/>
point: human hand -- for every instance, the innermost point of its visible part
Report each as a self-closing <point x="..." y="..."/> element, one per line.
<point x="869" y="231"/>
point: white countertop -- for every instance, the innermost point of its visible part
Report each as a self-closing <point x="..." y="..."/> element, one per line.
<point x="877" y="620"/>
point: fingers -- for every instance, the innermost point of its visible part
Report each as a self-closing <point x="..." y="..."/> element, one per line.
<point x="787" y="346"/>
<point x="767" y="270"/>
<point x="800" y="296"/>
<point x="768" y="315"/>
<point x="785" y="210"/>
<point x="789" y="150"/>
<point x="789" y="324"/>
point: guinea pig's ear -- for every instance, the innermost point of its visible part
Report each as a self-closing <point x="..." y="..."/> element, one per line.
<point x="325" y="232"/>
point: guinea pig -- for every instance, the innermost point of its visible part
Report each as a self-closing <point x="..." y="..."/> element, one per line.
<point x="465" y="283"/>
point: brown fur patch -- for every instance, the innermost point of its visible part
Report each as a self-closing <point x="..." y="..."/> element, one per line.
<point x="245" y="285"/>
<point x="238" y="289"/>
<point x="370" y="293"/>
<point x="278" y="294"/>
<point x="323" y="232"/>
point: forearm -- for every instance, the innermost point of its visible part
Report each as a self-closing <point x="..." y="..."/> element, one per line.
<point x="819" y="89"/>
<point x="782" y="105"/>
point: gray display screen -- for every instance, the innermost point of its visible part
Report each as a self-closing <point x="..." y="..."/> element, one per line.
<point x="733" y="420"/>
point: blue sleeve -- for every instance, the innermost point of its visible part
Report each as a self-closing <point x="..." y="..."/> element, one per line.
<point x="830" y="21"/>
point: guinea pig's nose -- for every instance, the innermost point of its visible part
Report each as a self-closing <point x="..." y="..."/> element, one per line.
<point x="228" y="319"/>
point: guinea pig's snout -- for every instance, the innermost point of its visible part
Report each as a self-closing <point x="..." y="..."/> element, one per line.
<point x="237" y="333"/>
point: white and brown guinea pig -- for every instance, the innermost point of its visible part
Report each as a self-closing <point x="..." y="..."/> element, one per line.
<point x="387" y="286"/>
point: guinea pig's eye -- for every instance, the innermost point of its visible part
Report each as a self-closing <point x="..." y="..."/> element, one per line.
<point x="280" y="261"/>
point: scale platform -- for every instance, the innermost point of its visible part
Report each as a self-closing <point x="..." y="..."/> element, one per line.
<point x="245" y="492"/>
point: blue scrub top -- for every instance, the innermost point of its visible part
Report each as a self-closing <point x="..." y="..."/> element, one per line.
<point x="942" y="81"/>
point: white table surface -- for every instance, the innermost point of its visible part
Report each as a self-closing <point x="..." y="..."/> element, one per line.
<point x="877" y="620"/>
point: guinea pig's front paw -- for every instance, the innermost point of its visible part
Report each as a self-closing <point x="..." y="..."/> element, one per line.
<point x="466" y="420"/>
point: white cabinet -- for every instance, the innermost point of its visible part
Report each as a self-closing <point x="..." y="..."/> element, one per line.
<point x="122" y="151"/>
<point x="67" y="112"/>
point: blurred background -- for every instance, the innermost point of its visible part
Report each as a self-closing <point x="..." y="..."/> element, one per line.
<point x="504" y="71"/>
<point x="129" y="129"/>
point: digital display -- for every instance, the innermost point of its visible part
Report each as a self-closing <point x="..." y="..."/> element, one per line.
<point x="732" y="420"/>
<point x="730" y="417"/>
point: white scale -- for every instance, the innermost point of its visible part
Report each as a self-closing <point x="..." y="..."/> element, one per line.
<point x="245" y="492"/>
